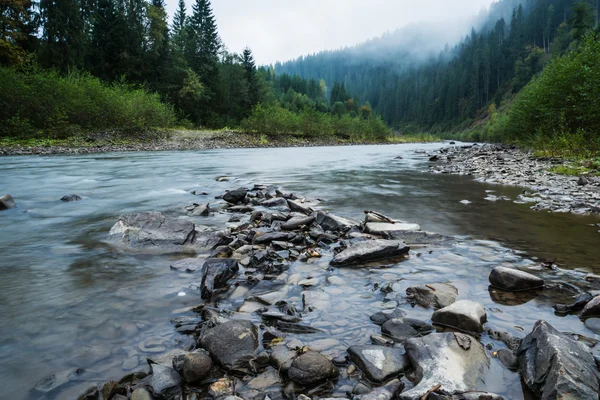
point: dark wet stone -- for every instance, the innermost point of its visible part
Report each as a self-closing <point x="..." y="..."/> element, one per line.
<point x="7" y="202"/>
<point x="235" y="196"/>
<point x="387" y="392"/>
<point x="435" y="295"/>
<point x="401" y="329"/>
<point x="277" y="203"/>
<point x="278" y="315"/>
<point x="291" y="327"/>
<point x="333" y="223"/>
<point x="296" y="206"/>
<point x="152" y="229"/>
<point x="582" y="300"/>
<point x="591" y="309"/>
<point x="593" y="324"/>
<point x="231" y="344"/>
<point x="445" y="359"/>
<point x="200" y="210"/>
<point x="379" y="363"/>
<point x="464" y="315"/>
<point x="297" y="222"/>
<point x="268" y="379"/>
<point x="70" y="198"/>
<point x="208" y="240"/>
<point x="216" y="274"/>
<point x="369" y="250"/>
<point x="512" y="298"/>
<point x="514" y="280"/>
<point x="188" y="264"/>
<point x="554" y="366"/>
<point x="380" y="317"/>
<point x="507" y="358"/>
<point x="194" y="366"/>
<point x="273" y="236"/>
<point x="311" y="368"/>
<point x="165" y="382"/>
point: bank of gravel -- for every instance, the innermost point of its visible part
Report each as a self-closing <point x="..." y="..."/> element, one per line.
<point x="509" y="165"/>
<point x="177" y="140"/>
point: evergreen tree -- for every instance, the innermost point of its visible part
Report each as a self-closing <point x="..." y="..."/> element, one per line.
<point x="251" y="80"/>
<point x="158" y="57"/>
<point x="17" y="31"/>
<point x="63" y="34"/>
<point x="179" y="35"/>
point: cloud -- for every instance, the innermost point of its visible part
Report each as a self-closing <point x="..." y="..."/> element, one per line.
<point x="279" y="30"/>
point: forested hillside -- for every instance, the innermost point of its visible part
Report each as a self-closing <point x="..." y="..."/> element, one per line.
<point x="84" y="65"/>
<point x="450" y="90"/>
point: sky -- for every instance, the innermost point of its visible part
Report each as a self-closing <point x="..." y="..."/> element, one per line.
<point x="280" y="30"/>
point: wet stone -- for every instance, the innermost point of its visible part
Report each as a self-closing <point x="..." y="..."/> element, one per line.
<point x="165" y="382"/>
<point x="369" y="250"/>
<point x="379" y="363"/>
<point x="387" y="392"/>
<point x="152" y="229"/>
<point x="216" y="274"/>
<point x="514" y="280"/>
<point x="507" y="358"/>
<point x="194" y="366"/>
<point x="235" y="196"/>
<point x="7" y="202"/>
<point x="70" y="198"/>
<point x="435" y="295"/>
<point x="333" y="223"/>
<point x="266" y="380"/>
<point x="188" y="265"/>
<point x="464" y="315"/>
<point x="591" y="309"/>
<point x="593" y="324"/>
<point x="401" y="329"/>
<point x="311" y="368"/>
<point x="381" y="317"/>
<point x="231" y="344"/>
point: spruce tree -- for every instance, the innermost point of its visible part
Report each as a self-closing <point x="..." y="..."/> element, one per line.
<point x="63" y="34"/>
<point x="17" y="31"/>
<point x="158" y="54"/>
<point x="250" y="74"/>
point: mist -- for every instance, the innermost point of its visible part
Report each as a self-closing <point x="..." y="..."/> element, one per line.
<point x="282" y="30"/>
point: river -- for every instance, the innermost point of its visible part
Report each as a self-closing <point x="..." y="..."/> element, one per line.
<point x="69" y="300"/>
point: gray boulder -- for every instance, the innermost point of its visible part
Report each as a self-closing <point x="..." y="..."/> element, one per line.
<point x="401" y="329"/>
<point x="277" y="203"/>
<point x="333" y="223"/>
<point x="514" y="280"/>
<point x="464" y="315"/>
<point x="152" y="229"/>
<point x="555" y="366"/>
<point x="200" y="210"/>
<point x="235" y="196"/>
<point x="381" y="317"/>
<point x="390" y="230"/>
<point x="386" y="392"/>
<point x="193" y="366"/>
<point x="165" y="382"/>
<point x="7" y="202"/>
<point x="379" y="363"/>
<point x="297" y="222"/>
<point x="369" y="250"/>
<point x="232" y="344"/>
<point x="70" y="198"/>
<point x="435" y="295"/>
<point x="216" y="273"/>
<point x="455" y="361"/>
<point x="591" y="309"/>
<point x="272" y="236"/>
<point x="188" y="264"/>
<point x="298" y="207"/>
<point x="311" y="368"/>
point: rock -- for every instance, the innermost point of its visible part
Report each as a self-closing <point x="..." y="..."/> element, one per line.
<point x="513" y="280"/>
<point x="221" y="389"/>
<point x="194" y="366"/>
<point x="435" y="295"/>
<point x="165" y="382"/>
<point x="593" y="324"/>
<point x="266" y="380"/>
<point x="272" y="236"/>
<point x="554" y="366"/>
<point x="231" y="344"/>
<point x="507" y="358"/>
<point x="235" y="196"/>
<point x="298" y="207"/>
<point x="381" y="317"/>
<point x="277" y="203"/>
<point x="455" y="361"/>
<point x="580" y="302"/>
<point x="311" y="368"/>
<point x="141" y="394"/>
<point x="216" y="273"/>
<point x="591" y="309"/>
<point x="401" y="329"/>
<point x="387" y="392"/>
<point x="389" y="230"/>
<point x="201" y="210"/>
<point x="68" y="199"/>
<point x="333" y="223"/>
<point x="369" y="250"/>
<point x="464" y="315"/>
<point x="188" y="264"/>
<point x="57" y="380"/>
<point x="7" y="202"/>
<point x="151" y="229"/>
<point x="379" y="363"/>
<point x="297" y="222"/>
<point x="583" y="181"/>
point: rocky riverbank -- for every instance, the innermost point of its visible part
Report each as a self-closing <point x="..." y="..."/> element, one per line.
<point x="270" y="280"/>
<point x="174" y="140"/>
<point x="509" y="165"/>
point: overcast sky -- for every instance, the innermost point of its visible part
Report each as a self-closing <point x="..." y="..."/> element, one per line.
<point x="279" y="30"/>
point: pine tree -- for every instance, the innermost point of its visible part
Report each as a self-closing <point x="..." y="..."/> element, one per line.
<point x="158" y="54"/>
<point x="63" y="34"/>
<point x="17" y="31"/>
<point x="250" y="74"/>
<point x="204" y="40"/>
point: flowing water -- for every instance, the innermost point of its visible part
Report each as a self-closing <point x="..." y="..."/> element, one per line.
<point x="69" y="300"/>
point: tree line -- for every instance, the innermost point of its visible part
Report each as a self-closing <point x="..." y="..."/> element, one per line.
<point x="130" y="42"/>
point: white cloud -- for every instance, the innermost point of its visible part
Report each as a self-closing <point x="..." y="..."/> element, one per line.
<point x="278" y="30"/>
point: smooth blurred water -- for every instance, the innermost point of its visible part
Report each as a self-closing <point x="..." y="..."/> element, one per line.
<point x="68" y="300"/>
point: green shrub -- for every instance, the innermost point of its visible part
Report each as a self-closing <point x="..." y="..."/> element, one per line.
<point x="45" y="103"/>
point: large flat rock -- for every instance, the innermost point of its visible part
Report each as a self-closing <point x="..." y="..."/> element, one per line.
<point x="455" y="361"/>
<point x="334" y="223"/>
<point x="514" y="280"/>
<point x="152" y="229"/>
<point x="464" y="315"/>
<point x="232" y="344"/>
<point x="370" y="250"/>
<point x="434" y="295"/>
<point x="555" y="366"/>
<point x="387" y="229"/>
<point x="379" y="363"/>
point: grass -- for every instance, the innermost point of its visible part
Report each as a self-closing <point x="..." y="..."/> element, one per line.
<point x="87" y="139"/>
<point x="414" y="138"/>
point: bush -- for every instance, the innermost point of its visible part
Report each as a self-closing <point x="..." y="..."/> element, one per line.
<point x="43" y="102"/>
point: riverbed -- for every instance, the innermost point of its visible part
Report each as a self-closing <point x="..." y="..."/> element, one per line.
<point x="70" y="300"/>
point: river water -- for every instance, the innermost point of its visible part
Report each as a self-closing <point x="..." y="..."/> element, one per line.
<point x="69" y="300"/>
